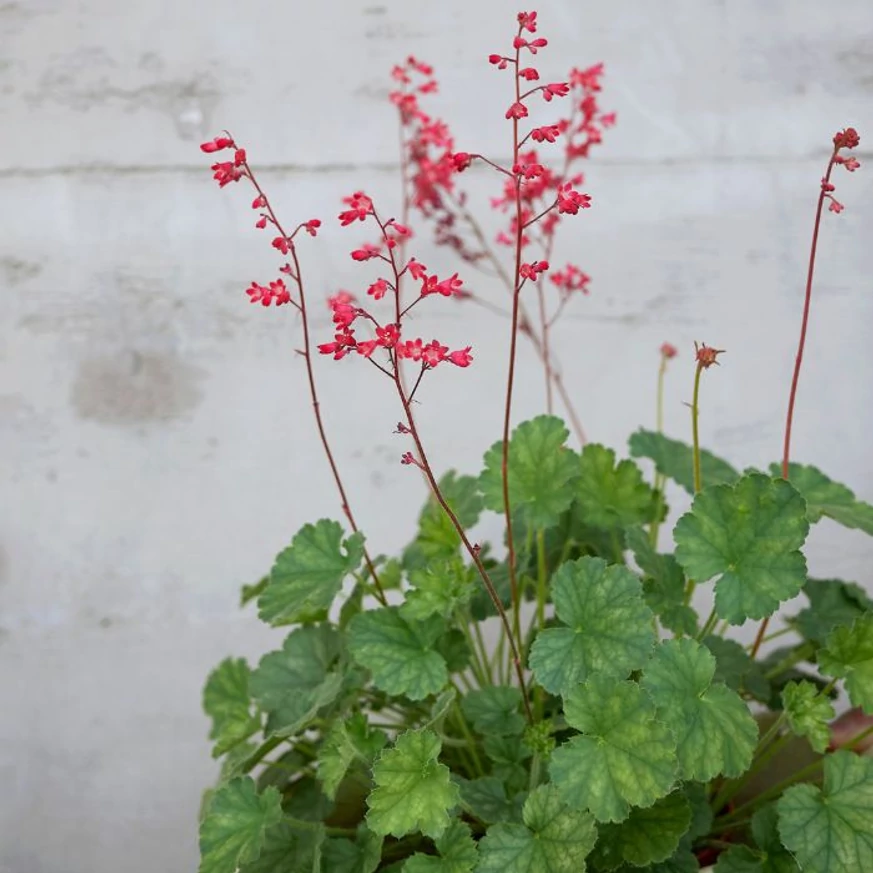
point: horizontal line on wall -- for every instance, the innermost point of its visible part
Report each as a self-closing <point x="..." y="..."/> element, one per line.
<point x="338" y="168"/>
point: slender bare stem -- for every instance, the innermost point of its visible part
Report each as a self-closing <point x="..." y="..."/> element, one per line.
<point x="510" y="378"/>
<point x="798" y="360"/>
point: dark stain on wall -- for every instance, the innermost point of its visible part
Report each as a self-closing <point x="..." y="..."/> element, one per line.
<point x="134" y="387"/>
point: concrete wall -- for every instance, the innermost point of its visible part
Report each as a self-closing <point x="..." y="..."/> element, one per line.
<point x="155" y="441"/>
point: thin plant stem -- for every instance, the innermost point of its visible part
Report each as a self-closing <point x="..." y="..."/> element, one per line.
<point x="510" y="378"/>
<point x="310" y="376"/>
<point x="547" y="359"/>
<point x="473" y="551"/>
<point x="660" y="479"/>
<point x="695" y="433"/>
<point x="798" y="360"/>
<point x="468" y="736"/>
<point x="801" y="653"/>
<point x="708" y="625"/>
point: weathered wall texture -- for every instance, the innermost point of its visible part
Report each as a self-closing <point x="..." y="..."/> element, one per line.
<point x="155" y="442"/>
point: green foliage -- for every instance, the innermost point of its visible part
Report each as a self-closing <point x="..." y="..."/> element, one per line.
<point x="830" y="829"/>
<point x="609" y="495"/>
<point x="542" y="472"/>
<point x="832" y="604"/>
<point x="457" y="853"/>
<point x="227" y="702"/>
<point x="768" y="855"/>
<point x="737" y="669"/>
<point x="361" y="855"/>
<point x="439" y="588"/>
<point x="552" y="839"/>
<point x="347" y="743"/>
<point x="293" y="684"/>
<point x="235" y="825"/>
<point x="664" y="584"/>
<point x="487" y="800"/>
<point x="413" y="791"/>
<point x="749" y="535"/>
<point x="401" y="655"/>
<point x="649" y="835"/>
<point x="848" y="655"/>
<point x="607" y="626"/>
<point x="308" y="575"/>
<point x="622" y="757"/>
<point x="827" y="498"/>
<point x="808" y="712"/>
<point x="437" y="537"/>
<point x="495" y="710"/>
<point x="714" y="730"/>
<point x="396" y="737"/>
<point x="675" y="460"/>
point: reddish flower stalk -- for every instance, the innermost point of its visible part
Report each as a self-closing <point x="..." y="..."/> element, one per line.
<point x="526" y="172"/>
<point x="396" y="351"/>
<point x="263" y="202"/>
<point x="844" y="139"/>
<point x="429" y="153"/>
<point x="513" y="338"/>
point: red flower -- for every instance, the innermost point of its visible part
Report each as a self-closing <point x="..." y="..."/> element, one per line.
<point x="388" y="336"/>
<point x="416" y="269"/>
<point x="261" y="223"/>
<point x="549" y="133"/>
<point x="517" y="110"/>
<point x="499" y="61"/>
<point x="531" y="271"/>
<point x="461" y="357"/>
<point x="851" y="164"/>
<point x="528" y="21"/>
<point x="259" y="202"/>
<point x="434" y="353"/>
<point x="344" y="314"/>
<point x="367" y="347"/>
<point x="282" y="244"/>
<point x="835" y="206"/>
<point x="312" y="226"/>
<point x="217" y="144"/>
<point x="378" y="289"/>
<point x="461" y="160"/>
<point x="706" y="355"/>
<point x="259" y="294"/>
<point x="280" y="292"/>
<point x="239" y="157"/>
<point x="225" y="172"/>
<point x="339" y="298"/>
<point x="571" y="201"/>
<point x="360" y="206"/>
<point x="555" y="89"/>
<point x="668" y="351"/>
<point x="529" y="74"/>
<point x="344" y="342"/>
<point x="846" y="139"/>
<point x="448" y="287"/>
<point x="570" y="279"/>
<point x="410" y="349"/>
<point x="366" y="252"/>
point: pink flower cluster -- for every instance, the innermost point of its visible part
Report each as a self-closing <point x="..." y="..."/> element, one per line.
<point x="843" y="139"/>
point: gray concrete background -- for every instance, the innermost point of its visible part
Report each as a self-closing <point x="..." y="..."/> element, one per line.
<point x="155" y="440"/>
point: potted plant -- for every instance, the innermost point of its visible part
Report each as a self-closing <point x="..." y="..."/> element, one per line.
<point x="551" y="701"/>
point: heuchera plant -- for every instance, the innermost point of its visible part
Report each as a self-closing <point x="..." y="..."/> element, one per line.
<point x="552" y="703"/>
